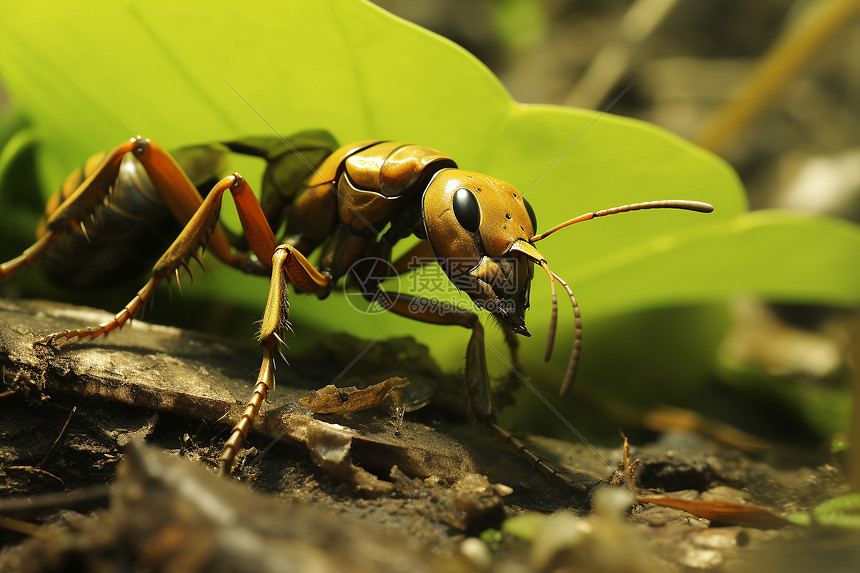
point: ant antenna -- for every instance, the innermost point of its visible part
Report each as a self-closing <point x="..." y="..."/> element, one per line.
<point x="666" y="204"/>
<point x="573" y="363"/>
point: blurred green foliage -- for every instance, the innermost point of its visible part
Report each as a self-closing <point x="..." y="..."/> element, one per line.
<point x="841" y="512"/>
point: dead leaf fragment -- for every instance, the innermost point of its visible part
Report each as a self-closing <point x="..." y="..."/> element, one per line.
<point x="334" y="400"/>
<point x="722" y="511"/>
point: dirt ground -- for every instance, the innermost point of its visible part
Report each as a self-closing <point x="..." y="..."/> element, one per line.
<point x="108" y="455"/>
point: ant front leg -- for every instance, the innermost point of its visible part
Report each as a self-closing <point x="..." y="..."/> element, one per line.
<point x="480" y="398"/>
<point x="420" y="255"/>
<point x="477" y="377"/>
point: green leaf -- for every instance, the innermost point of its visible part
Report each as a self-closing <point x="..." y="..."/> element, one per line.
<point x="839" y="512"/>
<point x="192" y="72"/>
<point x="525" y="525"/>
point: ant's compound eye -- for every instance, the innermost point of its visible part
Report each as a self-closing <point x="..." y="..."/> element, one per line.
<point x="466" y="210"/>
<point x="532" y="215"/>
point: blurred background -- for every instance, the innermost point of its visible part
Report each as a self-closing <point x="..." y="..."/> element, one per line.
<point x="679" y="62"/>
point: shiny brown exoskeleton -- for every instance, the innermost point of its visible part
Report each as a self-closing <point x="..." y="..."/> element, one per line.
<point x="354" y="205"/>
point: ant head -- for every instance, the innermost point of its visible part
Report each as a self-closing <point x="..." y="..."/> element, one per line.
<point x="481" y="230"/>
<point x="472" y="221"/>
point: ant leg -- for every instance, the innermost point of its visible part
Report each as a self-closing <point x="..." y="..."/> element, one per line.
<point x="75" y="208"/>
<point x="422" y="254"/>
<point x="288" y="265"/>
<point x="12" y="266"/>
<point x="198" y="231"/>
<point x="477" y="377"/>
<point x="75" y="203"/>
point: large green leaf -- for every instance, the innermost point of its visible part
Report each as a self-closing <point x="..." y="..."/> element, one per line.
<point x="90" y="74"/>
